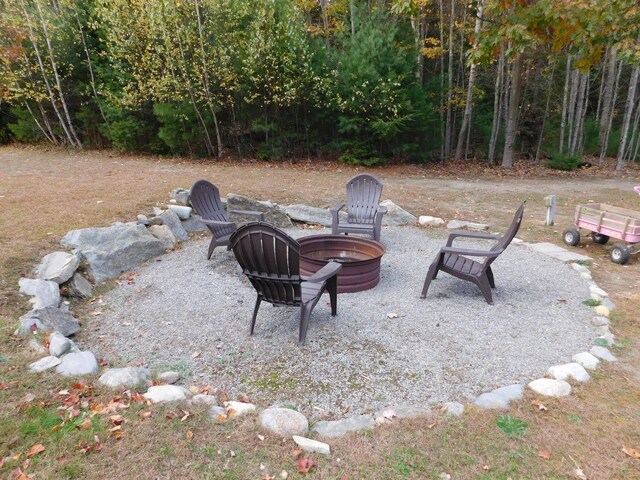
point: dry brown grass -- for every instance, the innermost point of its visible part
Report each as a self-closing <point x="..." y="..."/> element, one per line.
<point x="45" y="193"/>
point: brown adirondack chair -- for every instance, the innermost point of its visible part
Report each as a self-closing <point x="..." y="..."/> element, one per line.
<point x="205" y="199"/>
<point x="364" y="214"/>
<point x="271" y="261"/>
<point x="455" y="261"/>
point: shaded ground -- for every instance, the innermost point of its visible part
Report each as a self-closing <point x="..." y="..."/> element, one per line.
<point x="45" y="193"/>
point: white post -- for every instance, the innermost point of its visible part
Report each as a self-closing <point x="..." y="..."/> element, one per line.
<point x="550" y="202"/>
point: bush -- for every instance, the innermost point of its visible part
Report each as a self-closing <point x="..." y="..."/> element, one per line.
<point x="564" y="162"/>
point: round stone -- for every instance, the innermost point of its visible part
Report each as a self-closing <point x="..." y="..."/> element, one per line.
<point x="284" y="422"/>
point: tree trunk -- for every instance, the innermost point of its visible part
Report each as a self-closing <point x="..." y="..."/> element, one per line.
<point x="605" y="145"/>
<point x="497" y="106"/>
<point x="628" y="113"/>
<point x="565" y="102"/>
<point x="546" y="112"/>
<point x="512" y="119"/>
<point x="466" y="119"/>
<point x="607" y="96"/>
<point x="52" y="139"/>
<point x="449" y="127"/>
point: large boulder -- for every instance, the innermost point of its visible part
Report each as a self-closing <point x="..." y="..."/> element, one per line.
<point x="312" y="215"/>
<point x="396" y="215"/>
<point x="111" y="251"/>
<point x="78" y="363"/>
<point x="57" y="267"/>
<point x="194" y="224"/>
<point x="274" y="214"/>
<point x="48" y="319"/>
<point x="127" y="377"/>
<point x="45" y="293"/>
<point x="284" y="422"/>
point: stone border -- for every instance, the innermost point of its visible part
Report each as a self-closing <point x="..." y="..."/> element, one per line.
<point x="57" y="273"/>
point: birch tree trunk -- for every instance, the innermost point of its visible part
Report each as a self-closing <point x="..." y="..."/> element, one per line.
<point x="497" y="106"/>
<point x="512" y="119"/>
<point x="607" y="97"/>
<point x="466" y="119"/>
<point x="565" y="102"/>
<point x="628" y="113"/>
<point x="449" y="127"/>
<point x="605" y="145"/>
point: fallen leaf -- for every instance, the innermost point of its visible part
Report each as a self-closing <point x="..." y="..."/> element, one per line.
<point x="232" y="453"/>
<point x="284" y="474"/>
<point x="486" y="468"/>
<point x="144" y="413"/>
<point x="195" y="354"/>
<point x="305" y="464"/>
<point x="632" y="452"/>
<point x="580" y="474"/>
<point x="84" y="425"/>
<point x="35" y="450"/>
<point x="117" y="419"/>
<point x="244" y="399"/>
<point x="96" y="313"/>
<point x="261" y="437"/>
<point x="431" y="425"/>
<point x="544" y="454"/>
<point x="185" y="416"/>
<point x="444" y="409"/>
<point x="539" y="404"/>
<point x="392" y="315"/>
<point x="297" y="452"/>
<point x="189" y="435"/>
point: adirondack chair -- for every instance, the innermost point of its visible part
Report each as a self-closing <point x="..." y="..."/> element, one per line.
<point x="455" y="261"/>
<point x="271" y="261"/>
<point x="364" y="214"/>
<point x="205" y="199"/>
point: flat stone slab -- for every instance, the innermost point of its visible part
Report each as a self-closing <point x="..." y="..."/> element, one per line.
<point x="44" y="364"/>
<point x="559" y="253"/>
<point x="312" y="446"/>
<point x="550" y="387"/>
<point x="78" y="363"/>
<point x="587" y="360"/>
<point x="401" y="411"/>
<point x="570" y="370"/>
<point x="128" y="377"/>
<point x="311" y="215"/>
<point x="284" y="421"/>
<point x="166" y="393"/>
<point x="183" y="212"/>
<point x="48" y="319"/>
<point x="273" y="214"/>
<point x="603" y="353"/>
<point x="490" y="400"/>
<point x="428" y="220"/>
<point x="510" y="392"/>
<point x="396" y="215"/>
<point x="338" y="428"/>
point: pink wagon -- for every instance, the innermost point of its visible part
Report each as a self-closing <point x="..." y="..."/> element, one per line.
<point x="605" y="222"/>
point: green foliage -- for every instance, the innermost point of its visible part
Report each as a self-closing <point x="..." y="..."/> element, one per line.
<point x="512" y="426"/>
<point x="590" y="302"/>
<point x="563" y="162"/>
<point x="601" y="342"/>
<point x="23" y="128"/>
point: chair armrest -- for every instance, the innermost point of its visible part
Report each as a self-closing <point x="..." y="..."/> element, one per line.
<point x="325" y="273"/>
<point x="477" y="235"/>
<point x="338" y="208"/>
<point x="382" y="209"/>
<point x="470" y="252"/>
<point x="251" y="213"/>
<point x="217" y="223"/>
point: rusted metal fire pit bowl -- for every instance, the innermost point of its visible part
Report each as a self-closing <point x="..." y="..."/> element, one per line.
<point x="360" y="259"/>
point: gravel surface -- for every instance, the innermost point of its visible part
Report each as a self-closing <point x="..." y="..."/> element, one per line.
<point x="450" y="346"/>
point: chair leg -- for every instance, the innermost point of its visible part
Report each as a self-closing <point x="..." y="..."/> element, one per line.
<point x="305" y="313"/>
<point x="431" y="274"/>
<point x="255" y="314"/>
<point x="212" y="247"/>
<point x="332" y="288"/>
<point x="490" y="277"/>
<point x="485" y="288"/>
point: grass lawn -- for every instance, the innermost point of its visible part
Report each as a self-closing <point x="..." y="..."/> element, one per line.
<point x="55" y="427"/>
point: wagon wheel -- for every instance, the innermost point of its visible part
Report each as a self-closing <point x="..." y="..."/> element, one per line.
<point x="620" y="253"/>
<point x="571" y="236"/>
<point x="599" y="238"/>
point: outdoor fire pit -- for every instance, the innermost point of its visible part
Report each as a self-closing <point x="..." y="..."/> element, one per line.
<point x="360" y="259"/>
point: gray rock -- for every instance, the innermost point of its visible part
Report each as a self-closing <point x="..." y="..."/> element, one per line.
<point x="550" y="387"/>
<point x="457" y="224"/>
<point x="400" y="411"/>
<point x="454" y="409"/>
<point x="57" y="267"/>
<point x="194" y="224"/>
<point x="218" y="414"/>
<point x="603" y="353"/>
<point x="491" y="401"/>
<point x="78" y="363"/>
<point x="284" y="422"/>
<point x="602" y="311"/>
<point x="596" y="290"/>
<point x="36" y="347"/>
<point x="585" y="275"/>
<point x="155" y="221"/>
<point x="164" y="234"/>
<point x="169" y="377"/>
<point x="587" y="360"/>
<point x="113" y="250"/>
<point x="600" y="321"/>
<point x="570" y="370"/>
<point x="312" y="446"/>
<point x="338" y="428"/>
<point x="182" y="211"/>
<point x="477" y="226"/>
<point x="79" y="287"/>
<point x="510" y="392"/>
<point x="171" y="220"/>
<point x="430" y="221"/>
<point x="157" y="211"/>
<point x="128" y="377"/>
<point x="166" y="393"/>
<point x="274" y="214"/>
<point x="46" y="293"/>
<point x="59" y="344"/>
<point x="609" y="304"/>
<point x="236" y="409"/>
<point x="181" y="196"/>
<point x="48" y="319"/>
<point x="142" y="220"/>
<point x="579" y="268"/>
<point x="608" y="337"/>
<point x="203" y="398"/>
<point x="44" y="364"/>
<point x="311" y="215"/>
<point x="396" y="215"/>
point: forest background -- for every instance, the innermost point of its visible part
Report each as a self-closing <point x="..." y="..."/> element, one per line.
<point x="367" y="82"/>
